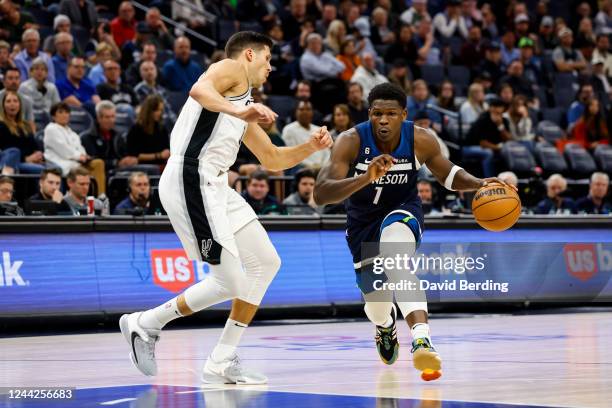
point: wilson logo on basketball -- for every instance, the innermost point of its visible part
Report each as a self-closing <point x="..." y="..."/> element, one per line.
<point x="489" y="192"/>
<point x="172" y="270"/>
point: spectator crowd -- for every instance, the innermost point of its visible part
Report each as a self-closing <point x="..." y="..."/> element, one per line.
<point x="90" y="90"/>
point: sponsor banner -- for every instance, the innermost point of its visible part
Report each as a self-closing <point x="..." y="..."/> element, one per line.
<point x="122" y="271"/>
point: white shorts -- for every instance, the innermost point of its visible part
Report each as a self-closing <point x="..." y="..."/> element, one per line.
<point x="204" y="211"/>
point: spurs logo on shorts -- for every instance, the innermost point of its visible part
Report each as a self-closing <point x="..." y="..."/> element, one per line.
<point x="206" y="246"/>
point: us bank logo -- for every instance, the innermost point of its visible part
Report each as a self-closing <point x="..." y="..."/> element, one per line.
<point x="173" y="271"/>
<point x="584" y="261"/>
<point x="10" y="272"/>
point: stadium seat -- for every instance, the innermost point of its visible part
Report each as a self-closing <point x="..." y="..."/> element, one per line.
<point x="177" y="100"/>
<point x="163" y="56"/>
<point x="125" y="118"/>
<point x="549" y="131"/>
<point x="251" y="26"/>
<point x="554" y="115"/>
<point x="540" y="93"/>
<point x="42" y="16"/>
<point x="81" y="36"/>
<point x="225" y="29"/>
<point x="460" y="77"/>
<point x="565" y="80"/>
<point x="603" y="157"/>
<point x="283" y="105"/>
<point x="518" y="158"/>
<point x="432" y="74"/>
<point x="120" y="144"/>
<point x="26" y="185"/>
<point x="563" y="96"/>
<point x="80" y="120"/>
<point x="41" y="118"/>
<point x="39" y="138"/>
<point x="550" y="159"/>
<point x="455" y="44"/>
<point x="581" y="164"/>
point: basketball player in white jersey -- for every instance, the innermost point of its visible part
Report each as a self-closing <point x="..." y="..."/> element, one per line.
<point x="213" y="222"/>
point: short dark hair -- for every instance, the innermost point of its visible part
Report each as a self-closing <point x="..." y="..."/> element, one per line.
<point x="304" y="173"/>
<point x="7" y="180"/>
<point x="246" y="39"/>
<point x="354" y="84"/>
<point x="77" y="171"/>
<point x="9" y="69"/>
<point x="497" y="103"/>
<point x="46" y="172"/>
<point x="60" y="106"/>
<point x="387" y="92"/>
<point x="259" y="175"/>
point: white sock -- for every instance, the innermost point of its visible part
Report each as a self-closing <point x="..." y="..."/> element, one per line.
<point x="388" y="322"/>
<point x="160" y="316"/>
<point x="419" y="331"/>
<point x="226" y="347"/>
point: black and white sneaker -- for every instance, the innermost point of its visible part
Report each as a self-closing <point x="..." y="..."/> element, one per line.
<point x="142" y="343"/>
<point x="386" y="341"/>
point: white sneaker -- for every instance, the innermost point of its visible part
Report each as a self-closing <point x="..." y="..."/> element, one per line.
<point x="142" y="343"/>
<point x="230" y="371"/>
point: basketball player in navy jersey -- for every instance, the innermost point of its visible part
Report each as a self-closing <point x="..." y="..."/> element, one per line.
<point x="383" y="156"/>
<point x="213" y="222"/>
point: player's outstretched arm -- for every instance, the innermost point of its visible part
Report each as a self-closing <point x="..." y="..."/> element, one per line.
<point x="448" y="174"/>
<point x="332" y="185"/>
<point x="280" y="158"/>
<point x="220" y="78"/>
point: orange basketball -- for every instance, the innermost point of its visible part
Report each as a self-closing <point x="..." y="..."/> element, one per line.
<point x="496" y="207"/>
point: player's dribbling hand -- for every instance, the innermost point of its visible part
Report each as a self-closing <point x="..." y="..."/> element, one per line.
<point x="492" y="180"/>
<point x="379" y="166"/>
<point x="257" y="112"/>
<point x="321" y="139"/>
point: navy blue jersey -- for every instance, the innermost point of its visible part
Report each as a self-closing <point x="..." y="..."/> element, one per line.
<point x="395" y="191"/>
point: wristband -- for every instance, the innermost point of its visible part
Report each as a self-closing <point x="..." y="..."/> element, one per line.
<point x="448" y="183"/>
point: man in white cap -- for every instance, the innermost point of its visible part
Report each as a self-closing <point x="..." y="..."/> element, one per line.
<point x="546" y="35"/>
<point x="602" y="52"/>
<point x="601" y="84"/>
<point x="565" y="56"/>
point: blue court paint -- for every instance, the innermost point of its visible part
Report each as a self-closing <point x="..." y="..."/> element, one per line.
<point x="162" y="396"/>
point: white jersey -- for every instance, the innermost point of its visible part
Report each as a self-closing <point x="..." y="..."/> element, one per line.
<point x="212" y="138"/>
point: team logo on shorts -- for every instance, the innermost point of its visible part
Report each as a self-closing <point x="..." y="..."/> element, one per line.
<point x="206" y="246"/>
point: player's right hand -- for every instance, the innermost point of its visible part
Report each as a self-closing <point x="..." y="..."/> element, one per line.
<point x="379" y="166"/>
<point x="257" y="112"/>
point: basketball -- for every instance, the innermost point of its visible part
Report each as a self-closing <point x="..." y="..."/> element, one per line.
<point x="496" y="207"/>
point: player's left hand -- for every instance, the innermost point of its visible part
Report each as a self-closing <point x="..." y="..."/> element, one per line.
<point x="321" y="139"/>
<point x="493" y="180"/>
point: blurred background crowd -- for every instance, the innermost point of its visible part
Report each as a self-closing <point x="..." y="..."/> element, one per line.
<point x="91" y="89"/>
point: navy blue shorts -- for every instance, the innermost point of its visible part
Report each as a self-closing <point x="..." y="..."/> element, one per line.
<point x="409" y="213"/>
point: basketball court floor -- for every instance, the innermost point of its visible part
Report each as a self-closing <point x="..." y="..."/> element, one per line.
<point x="552" y="360"/>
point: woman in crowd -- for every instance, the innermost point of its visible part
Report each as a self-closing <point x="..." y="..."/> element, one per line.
<point x="348" y="56"/>
<point x="43" y="93"/>
<point x="474" y="106"/>
<point x="521" y="126"/>
<point x="336" y="35"/>
<point x="341" y="120"/>
<point x="148" y="140"/>
<point x="20" y="152"/>
<point x="63" y="147"/>
<point x="591" y="129"/>
<point x="446" y="96"/>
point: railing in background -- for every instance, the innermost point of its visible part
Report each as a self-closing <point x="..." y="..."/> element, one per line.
<point x="179" y="26"/>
